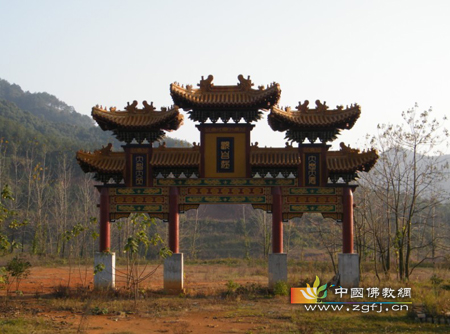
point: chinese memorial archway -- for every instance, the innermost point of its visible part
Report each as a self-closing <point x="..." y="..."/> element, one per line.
<point x="225" y="168"/>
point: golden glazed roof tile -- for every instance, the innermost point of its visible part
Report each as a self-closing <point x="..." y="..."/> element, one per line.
<point x="210" y="96"/>
<point x="102" y="161"/>
<point x="175" y="157"/>
<point x="133" y="118"/>
<point x="319" y="118"/>
<point x="351" y="160"/>
<point x="274" y="157"/>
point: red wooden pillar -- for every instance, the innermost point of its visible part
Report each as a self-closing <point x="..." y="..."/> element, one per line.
<point x="174" y="221"/>
<point x="347" y="224"/>
<point x="105" y="231"/>
<point x="277" y="221"/>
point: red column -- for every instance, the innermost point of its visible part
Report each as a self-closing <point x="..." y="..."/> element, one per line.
<point x="105" y="232"/>
<point x="174" y="221"/>
<point x="347" y="224"/>
<point x="277" y="221"/>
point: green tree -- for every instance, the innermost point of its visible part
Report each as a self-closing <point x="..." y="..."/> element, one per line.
<point x="5" y="213"/>
<point x="137" y="246"/>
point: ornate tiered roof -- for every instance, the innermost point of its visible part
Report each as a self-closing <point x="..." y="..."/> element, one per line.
<point x="225" y="102"/>
<point x="321" y="122"/>
<point x="345" y="162"/>
<point x="138" y="124"/>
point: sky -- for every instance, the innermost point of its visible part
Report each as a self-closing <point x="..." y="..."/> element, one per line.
<point x="384" y="55"/>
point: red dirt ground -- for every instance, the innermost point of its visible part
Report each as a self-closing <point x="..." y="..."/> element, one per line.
<point x="203" y="311"/>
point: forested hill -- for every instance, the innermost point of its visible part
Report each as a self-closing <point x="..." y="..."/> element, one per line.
<point x="44" y="120"/>
<point x="21" y="127"/>
<point x="43" y="105"/>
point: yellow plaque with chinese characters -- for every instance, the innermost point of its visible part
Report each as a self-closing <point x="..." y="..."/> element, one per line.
<point x="225" y="154"/>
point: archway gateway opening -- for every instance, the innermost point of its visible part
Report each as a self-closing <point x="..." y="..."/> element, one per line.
<point x="226" y="168"/>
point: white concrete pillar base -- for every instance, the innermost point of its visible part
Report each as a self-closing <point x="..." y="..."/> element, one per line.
<point x="348" y="267"/>
<point x="173" y="274"/>
<point x="277" y="268"/>
<point x="107" y="277"/>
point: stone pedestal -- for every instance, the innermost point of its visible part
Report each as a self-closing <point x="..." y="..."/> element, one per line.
<point x="348" y="267"/>
<point x="277" y="268"/>
<point x="107" y="277"/>
<point x="173" y="274"/>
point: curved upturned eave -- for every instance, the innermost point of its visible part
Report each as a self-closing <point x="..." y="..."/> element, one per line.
<point x="342" y="162"/>
<point x="225" y="97"/>
<point x="281" y="120"/>
<point x="125" y="120"/>
<point x="95" y="162"/>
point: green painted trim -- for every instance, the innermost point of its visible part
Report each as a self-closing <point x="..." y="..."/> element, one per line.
<point x="312" y="191"/>
<point x="225" y="199"/>
<point x="138" y="191"/>
<point x="312" y="208"/>
<point x="226" y="182"/>
<point x="139" y="208"/>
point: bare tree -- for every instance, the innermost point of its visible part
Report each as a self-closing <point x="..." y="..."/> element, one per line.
<point x="61" y="201"/>
<point x="263" y="226"/>
<point x="40" y="187"/>
<point x="402" y="182"/>
<point x="330" y="235"/>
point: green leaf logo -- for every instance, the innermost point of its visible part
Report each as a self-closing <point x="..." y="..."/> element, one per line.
<point x="313" y="293"/>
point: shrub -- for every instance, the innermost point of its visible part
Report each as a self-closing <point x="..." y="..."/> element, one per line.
<point x="281" y="288"/>
<point x="14" y="272"/>
<point x="232" y="286"/>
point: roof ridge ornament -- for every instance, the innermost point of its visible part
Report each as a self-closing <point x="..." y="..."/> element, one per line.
<point x="206" y="84"/>
<point x="245" y="84"/>
<point x="131" y="107"/>
<point x="148" y="107"/>
<point x="348" y="149"/>
<point x="105" y="150"/>
<point x="321" y="107"/>
<point x="303" y="106"/>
